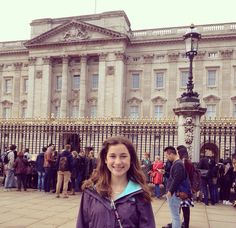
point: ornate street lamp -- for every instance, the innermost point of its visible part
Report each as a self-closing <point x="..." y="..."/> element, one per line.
<point x="191" y="39"/>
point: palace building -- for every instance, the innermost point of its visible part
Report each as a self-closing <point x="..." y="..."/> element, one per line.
<point x="97" y="66"/>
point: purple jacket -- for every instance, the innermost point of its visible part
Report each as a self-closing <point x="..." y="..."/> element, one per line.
<point x="97" y="212"/>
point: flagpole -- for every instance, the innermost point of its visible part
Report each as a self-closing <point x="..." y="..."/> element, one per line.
<point x="95" y="6"/>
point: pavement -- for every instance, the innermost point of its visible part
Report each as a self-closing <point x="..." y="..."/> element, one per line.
<point x="33" y="209"/>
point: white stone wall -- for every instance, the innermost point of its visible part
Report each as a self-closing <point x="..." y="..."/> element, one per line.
<point x="146" y="52"/>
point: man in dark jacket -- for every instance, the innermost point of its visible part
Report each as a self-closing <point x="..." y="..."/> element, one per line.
<point x="206" y="166"/>
<point x="177" y="176"/>
<point x="40" y="169"/>
<point x="64" y="164"/>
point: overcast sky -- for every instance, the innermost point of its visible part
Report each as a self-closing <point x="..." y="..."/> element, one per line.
<point x="16" y="15"/>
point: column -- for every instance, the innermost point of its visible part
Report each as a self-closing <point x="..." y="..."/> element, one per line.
<point x="16" y="90"/>
<point x="118" y="85"/>
<point x="64" y="88"/>
<point x="225" y="83"/>
<point x="146" y="82"/>
<point x="31" y="85"/>
<point x="101" y="85"/>
<point x="171" y="85"/>
<point x="1" y="81"/>
<point x="46" y="87"/>
<point x="82" y="94"/>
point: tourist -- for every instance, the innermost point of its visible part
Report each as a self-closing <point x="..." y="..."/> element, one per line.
<point x="116" y="195"/>
<point x="177" y="176"/>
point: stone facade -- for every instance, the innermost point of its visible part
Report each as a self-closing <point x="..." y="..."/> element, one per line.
<point x="96" y="66"/>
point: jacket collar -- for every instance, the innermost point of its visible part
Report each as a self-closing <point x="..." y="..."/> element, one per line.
<point x="131" y="187"/>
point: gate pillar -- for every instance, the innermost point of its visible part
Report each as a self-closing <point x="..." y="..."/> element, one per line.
<point x="189" y="115"/>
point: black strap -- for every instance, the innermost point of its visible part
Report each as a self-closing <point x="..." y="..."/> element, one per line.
<point x="116" y="213"/>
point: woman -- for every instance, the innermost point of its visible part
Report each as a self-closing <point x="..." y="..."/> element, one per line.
<point x="227" y="181"/>
<point x="146" y="166"/>
<point x="116" y="195"/>
<point x="20" y="167"/>
<point x="74" y="172"/>
<point x="157" y="175"/>
<point x="186" y="203"/>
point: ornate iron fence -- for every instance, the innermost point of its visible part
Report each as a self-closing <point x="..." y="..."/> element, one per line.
<point x="148" y="135"/>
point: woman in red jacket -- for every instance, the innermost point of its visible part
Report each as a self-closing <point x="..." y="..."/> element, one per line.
<point x="157" y="175"/>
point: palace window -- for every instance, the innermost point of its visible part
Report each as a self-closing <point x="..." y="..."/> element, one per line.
<point x="76" y="82"/>
<point x="23" y="112"/>
<point x="135" y="81"/>
<point x="159" y="78"/>
<point x="6" y="113"/>
<point x="57" y="112"/>
<point x="211" y="110"/>
<point x="234" y="111"/>
<point x="211" y="78"/>
<point x="134" y="112"/>
<point x="25" y="85"/>
<point x="93" y="111"/>
<point x="75" y="112"/>
<point x="184" y="79"/>
<point x="8" y="85"/>
<point x="58" y="83"/>
<point x="94" y="82"/>
<point x="158" y="111"/>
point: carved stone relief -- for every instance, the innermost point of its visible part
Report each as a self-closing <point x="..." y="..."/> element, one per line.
<point x="110" y="70"/>
<point x="188" y="133"/>
<point x="76" y="33"/>
<point x="39" y="74"/>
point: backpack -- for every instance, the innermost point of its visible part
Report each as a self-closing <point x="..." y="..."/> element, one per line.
<point x="63" y="164"/>
<point x="6" y="158"/>
<point x="196" y="181"/>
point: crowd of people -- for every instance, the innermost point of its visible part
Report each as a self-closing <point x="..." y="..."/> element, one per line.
<point x="49" y="172"/>
<point x="116" y="186"/>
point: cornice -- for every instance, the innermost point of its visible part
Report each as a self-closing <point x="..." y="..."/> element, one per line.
<point x="13" y="52"/>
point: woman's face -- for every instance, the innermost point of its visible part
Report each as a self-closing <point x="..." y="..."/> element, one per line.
<point x="118" y="160"/>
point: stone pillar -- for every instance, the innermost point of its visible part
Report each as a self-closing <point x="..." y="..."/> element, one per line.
<point x="64" y="88"/>
<point x="189" y="114"/>
<point x="225" y="83"/>
<point x="1" y="81"/>
<point x="119" y="85"/>
<point x="82" y="94"/>
<point x="171" y="85"/>
<point x="46" y="87"/>
<point x="101" y="85"/>
<point x="146" y="82"/>
<point x="31" y="85"/>
<point x="16" y="90"/>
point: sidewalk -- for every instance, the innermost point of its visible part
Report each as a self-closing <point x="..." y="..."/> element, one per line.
<point x="34" y="209"/>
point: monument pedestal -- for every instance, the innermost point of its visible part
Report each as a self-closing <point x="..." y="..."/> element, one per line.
<point x="189" y="114"/>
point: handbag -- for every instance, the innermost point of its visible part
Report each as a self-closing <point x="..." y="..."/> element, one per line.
<point x="184" y="190"/>
<point x="182" y="195"/>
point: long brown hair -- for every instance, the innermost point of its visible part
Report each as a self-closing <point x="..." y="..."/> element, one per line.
<point x="101" y="176"/>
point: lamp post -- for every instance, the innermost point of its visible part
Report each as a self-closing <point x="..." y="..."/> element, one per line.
<point x="191" y="39"/>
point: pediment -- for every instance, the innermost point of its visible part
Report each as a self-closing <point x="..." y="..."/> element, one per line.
<point x="134" y="100"/>
<point x="158" y="99"/>
<point x="210" y="98"/>
<point x="6" y="103"/>
<point x="75" y="31"/>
